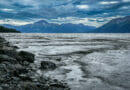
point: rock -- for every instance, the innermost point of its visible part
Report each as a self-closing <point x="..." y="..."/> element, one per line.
<point x="26" y="56"/>
<point x="15" y="47"/>
<point x="6" y="71"/>
<point x="4" y="58"/>
<point x="10" y="53"/>
<point x="25" y="63"/>
<point x="20" y="70"/>
<point x="59" y="59"/>
<point x="16" y="73"/>
<point x="48" y="65"/>
<point x="32" y="86"/>
<point x="25" y="77"/>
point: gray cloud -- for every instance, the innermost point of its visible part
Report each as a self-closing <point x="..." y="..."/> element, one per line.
<point x="53" y="9"/>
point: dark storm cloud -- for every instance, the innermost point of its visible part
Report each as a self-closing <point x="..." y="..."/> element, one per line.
<point x="52" y="9"/>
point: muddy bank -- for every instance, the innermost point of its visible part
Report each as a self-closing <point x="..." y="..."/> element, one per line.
<point x="83" y="61"/>
<point x="17" y="71"/>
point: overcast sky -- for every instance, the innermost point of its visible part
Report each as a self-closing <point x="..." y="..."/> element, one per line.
<point x="88" y="12"/>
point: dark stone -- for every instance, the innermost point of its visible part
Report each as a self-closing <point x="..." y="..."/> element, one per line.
<point x="15" y="47"/>
<point x="20" y="70"/>
<point x="31" y="86"/>
<point x="25" y="63"/>
<point x="10" y="53"/>
<point x="4" y="58"/>
<point x="58" y="59"/>
<point x="25" y="77"/>
<point x="16" y="72"/>
<point x="26" y="56"/>
<point x="48" y="65"/>
<point x="6" y="69"/>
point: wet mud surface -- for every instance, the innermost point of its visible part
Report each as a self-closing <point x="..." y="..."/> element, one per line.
<point x="84" y="61"/>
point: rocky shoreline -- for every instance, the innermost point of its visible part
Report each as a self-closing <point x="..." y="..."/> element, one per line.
<point x="17" y="72"/>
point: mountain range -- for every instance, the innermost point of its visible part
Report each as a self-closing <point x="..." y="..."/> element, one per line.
<point x="118" y="25"/>
<point x="43" y="26"/>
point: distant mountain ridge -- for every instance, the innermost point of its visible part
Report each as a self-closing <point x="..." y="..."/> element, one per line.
<point x="119" y="25"/>
<point x="43" y="26"/>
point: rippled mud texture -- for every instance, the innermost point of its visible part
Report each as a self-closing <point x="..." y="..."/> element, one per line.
<point x="17" y="73"/>
<point x="84" y="61"/>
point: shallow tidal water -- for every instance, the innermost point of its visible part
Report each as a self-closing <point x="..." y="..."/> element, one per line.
<point x="84" y="61"/>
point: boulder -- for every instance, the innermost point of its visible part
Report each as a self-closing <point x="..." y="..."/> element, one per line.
<point x="26" y="56"/>
<point x="48" y="65"/>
